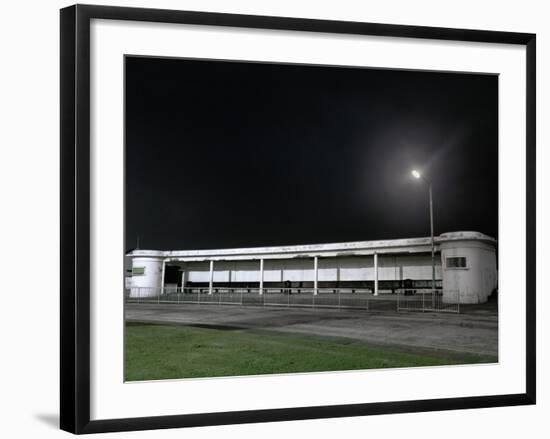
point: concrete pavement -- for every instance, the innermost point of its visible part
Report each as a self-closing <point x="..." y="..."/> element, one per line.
<point x="475" y="333"/>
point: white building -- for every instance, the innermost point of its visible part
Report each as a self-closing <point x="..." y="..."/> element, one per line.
<point x="465" y="262"/>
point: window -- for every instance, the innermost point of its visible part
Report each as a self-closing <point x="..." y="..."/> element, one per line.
<point x="456" y="262"/>
<point x="138" y="271"/>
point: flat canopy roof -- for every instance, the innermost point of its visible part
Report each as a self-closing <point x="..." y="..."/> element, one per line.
<point x="357" y="248"/>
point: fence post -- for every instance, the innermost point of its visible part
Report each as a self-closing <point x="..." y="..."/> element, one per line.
<point x="423" y="301"/>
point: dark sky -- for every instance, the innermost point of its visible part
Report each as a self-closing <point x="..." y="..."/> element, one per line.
<point x="233" y="154"/>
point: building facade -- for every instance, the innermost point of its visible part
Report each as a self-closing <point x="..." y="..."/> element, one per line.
<point x="465" y="263"/>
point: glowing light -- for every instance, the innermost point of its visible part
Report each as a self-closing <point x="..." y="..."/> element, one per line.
<point x="416" y="174"/>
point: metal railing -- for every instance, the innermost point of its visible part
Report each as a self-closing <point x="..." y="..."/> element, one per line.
<point x="280" y="296"/>
<point x="427" y="300"/>
<point x="353" y="298"/>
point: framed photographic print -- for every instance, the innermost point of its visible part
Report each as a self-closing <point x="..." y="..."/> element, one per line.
<point x="272" y="218"/>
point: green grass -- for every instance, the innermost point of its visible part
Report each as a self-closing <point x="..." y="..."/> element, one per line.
<point x="156" y="352"/>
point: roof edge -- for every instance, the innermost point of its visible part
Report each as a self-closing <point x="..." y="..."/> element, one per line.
<point x="341" y="246"/>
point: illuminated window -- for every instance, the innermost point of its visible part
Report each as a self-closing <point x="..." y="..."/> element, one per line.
<point x="456" y="262"/>
<point x="138" y="271"/>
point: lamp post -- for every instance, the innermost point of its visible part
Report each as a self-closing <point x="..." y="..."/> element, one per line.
<point x="418" y="176"/>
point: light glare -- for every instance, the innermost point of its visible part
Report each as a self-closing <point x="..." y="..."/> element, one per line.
<point x="415" y="173"/>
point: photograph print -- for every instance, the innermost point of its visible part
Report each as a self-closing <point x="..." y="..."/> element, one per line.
<point x="297" y="218"/>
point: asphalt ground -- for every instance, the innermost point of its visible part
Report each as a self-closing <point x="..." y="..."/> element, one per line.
<point x="473" y="332"/>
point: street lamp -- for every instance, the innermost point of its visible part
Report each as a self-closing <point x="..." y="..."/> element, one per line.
<point x="418" y="176"/>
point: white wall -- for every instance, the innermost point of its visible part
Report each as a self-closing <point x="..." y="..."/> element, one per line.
<point x="330" y="269"/>
<point x="475" y="282"/>
<point x="29" y="179"/>
<point x="408" y="267"/>
<point x="197" y="272"/>
<point x="149" y="283"/>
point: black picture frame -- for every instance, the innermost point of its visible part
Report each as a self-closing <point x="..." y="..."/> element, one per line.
<point x="75" y="218"/>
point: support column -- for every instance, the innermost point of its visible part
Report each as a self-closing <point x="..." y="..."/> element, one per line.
<point x="261" y="276"/>
<point x="162" y="277"/>
<point x="182" y="280"/>
<point x="376" y="274"/>
<point x="210" y="283"/>
<point x="315" y="274"/>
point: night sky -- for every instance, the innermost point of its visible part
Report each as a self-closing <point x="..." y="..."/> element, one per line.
<point x="233" y="154"/>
